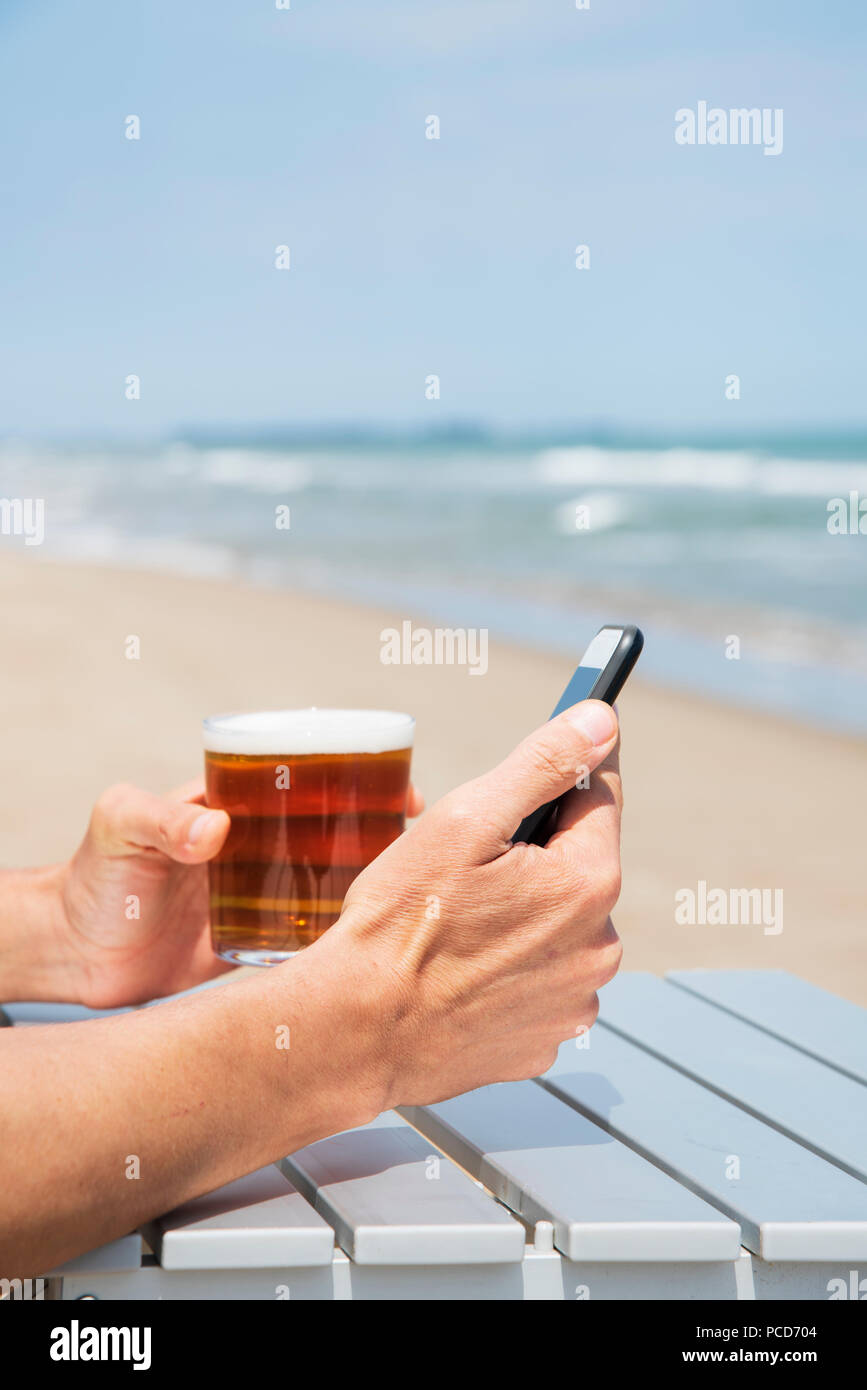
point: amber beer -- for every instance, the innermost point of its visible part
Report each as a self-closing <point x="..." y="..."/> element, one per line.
<point x="314" y="795"/>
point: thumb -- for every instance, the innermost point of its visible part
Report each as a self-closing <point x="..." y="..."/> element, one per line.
<point x="546" y="765"/>
<point x="127" y="819"/>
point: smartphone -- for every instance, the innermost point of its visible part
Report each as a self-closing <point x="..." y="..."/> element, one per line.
<point x="600" y="675"/>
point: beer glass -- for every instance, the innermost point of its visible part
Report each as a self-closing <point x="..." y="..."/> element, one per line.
<point x="314" y="795"/>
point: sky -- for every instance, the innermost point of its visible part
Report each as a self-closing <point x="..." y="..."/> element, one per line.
<point x="411" y="257"/>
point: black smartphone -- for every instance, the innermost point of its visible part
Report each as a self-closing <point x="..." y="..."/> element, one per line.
<point x="600" y="675"/>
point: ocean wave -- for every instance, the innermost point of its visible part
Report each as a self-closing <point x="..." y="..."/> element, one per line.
<point x="251" y="469"/>
<point x="706" y="469"/>
<point x="741" y="475"/>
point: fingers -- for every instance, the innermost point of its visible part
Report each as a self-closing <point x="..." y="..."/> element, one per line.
<point x="601" y="790"/>
<point x="126" y="819"/>
<point x="414" y="801"/>
<point x="545" y="766"/>
<point x="588" y="828"/>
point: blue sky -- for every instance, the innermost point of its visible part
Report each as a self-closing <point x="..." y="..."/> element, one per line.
<point x="410" y="256"/>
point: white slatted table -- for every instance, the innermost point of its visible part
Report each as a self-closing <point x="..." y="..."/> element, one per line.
<point x="707" y="1140"/>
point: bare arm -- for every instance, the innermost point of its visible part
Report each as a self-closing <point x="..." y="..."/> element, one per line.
<point x="108" y="1123"/>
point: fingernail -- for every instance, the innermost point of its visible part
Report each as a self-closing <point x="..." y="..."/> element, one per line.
<point x="201" y="825"/>
<point x="595" y="720"/>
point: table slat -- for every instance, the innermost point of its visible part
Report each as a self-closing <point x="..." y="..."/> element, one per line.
<point x="799" y="1096"/>
<point x="28" y="1015"/>
<point x="258" y="1222"/>
<point x="548" y="1163"/>
<point x="790" y="1203"/>
<point x="831" y="1029"/>
<point x="118" y="1256"/>
<point x="393" y="1198"/>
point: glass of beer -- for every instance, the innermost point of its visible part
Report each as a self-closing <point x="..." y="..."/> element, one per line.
<point x="314" y="795"/>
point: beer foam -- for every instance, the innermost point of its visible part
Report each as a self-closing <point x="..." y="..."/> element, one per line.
<point x="313" y="730"/>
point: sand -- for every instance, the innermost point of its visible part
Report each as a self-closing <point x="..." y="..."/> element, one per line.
<point x="739" y="800"/>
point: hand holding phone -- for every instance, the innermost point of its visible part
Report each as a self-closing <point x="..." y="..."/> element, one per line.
<point x="600" y="675"/>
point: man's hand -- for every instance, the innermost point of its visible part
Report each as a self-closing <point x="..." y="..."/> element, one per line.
<point x="480" y="955"/>
<point x="134" y="896"/>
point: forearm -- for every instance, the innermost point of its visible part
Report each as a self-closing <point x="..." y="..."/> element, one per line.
<point x="36" y="962"/>
<point x="112" y="1122"/>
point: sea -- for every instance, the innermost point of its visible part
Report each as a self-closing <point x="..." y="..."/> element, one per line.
<point x="744" y="563"/>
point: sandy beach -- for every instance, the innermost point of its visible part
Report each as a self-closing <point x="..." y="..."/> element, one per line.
<point x="735" y="799"/>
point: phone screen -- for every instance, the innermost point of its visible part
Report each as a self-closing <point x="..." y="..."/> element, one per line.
<point x="593" y="663"/>
<point x="579" y="687"/>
